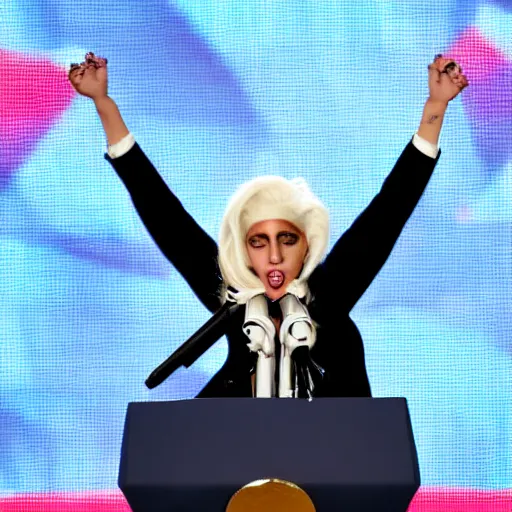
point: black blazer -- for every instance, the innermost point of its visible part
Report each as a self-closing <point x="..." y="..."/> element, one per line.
<point x="336" y="284"/>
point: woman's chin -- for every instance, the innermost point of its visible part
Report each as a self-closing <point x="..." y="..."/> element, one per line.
<point x="275" y="293"/>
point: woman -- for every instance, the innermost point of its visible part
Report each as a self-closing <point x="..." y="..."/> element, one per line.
<point x="271" y="249"/>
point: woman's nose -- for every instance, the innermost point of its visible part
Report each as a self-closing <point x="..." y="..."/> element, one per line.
<point x="275" y="254"/>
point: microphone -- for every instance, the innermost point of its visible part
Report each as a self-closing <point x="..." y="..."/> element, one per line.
<point x="308" y="375"/>
<point x="195" y="346"/>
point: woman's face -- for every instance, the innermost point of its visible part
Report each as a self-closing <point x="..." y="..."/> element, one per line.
<point x="276" y="250"/>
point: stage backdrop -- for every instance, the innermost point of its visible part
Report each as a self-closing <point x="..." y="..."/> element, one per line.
<point x="217" y="92"/>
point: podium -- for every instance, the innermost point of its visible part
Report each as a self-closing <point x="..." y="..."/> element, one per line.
<point x="347" y="454"/>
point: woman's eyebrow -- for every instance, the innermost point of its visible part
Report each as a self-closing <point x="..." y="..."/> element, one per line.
<point x="258" y="235"/>
<point x="266" y="237"/>
<point x="287" y="233"/>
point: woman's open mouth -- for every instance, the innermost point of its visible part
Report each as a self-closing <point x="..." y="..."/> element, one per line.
<point x="275" y="278"/>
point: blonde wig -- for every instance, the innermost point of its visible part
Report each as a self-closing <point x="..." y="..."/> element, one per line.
<point x="266" y="198"/>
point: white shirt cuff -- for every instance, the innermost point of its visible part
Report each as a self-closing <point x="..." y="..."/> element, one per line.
<point x="123" y="146"/>
<point x="426" y="147"/>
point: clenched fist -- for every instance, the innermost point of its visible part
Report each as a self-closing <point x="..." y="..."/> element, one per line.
<point x="90" y="78"/>
<point x="445" y="80"/>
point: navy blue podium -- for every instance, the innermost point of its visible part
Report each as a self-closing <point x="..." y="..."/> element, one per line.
<point x="348" y="454"/>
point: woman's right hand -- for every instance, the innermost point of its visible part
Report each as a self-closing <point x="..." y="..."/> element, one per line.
<point x="90" y="78"/>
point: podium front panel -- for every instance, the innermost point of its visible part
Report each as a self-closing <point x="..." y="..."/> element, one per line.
<point x="346" y="453"/>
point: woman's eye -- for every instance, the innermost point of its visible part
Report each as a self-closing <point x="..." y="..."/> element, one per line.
<point x="256" y="242"/>
<point x="289" y="238"/>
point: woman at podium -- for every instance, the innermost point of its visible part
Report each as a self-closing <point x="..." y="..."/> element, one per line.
<point x="292" y="335"/>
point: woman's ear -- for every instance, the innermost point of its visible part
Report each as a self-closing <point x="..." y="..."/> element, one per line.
<point x="306" y="256"/>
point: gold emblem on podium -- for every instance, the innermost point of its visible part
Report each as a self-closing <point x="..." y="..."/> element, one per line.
<point x="270" y="495"/>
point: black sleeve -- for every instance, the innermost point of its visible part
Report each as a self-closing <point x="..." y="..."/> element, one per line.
<point x="183" y="242"/>
<point x="360" y="253"/>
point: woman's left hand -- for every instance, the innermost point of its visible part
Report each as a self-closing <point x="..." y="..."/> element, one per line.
<point x="445" y="79"/>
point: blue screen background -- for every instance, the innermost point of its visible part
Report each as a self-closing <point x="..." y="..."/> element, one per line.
<point x="217" y="92"/>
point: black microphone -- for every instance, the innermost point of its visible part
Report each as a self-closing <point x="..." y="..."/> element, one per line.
<point x="195" y="346"/>
<point x="308" y="375"/>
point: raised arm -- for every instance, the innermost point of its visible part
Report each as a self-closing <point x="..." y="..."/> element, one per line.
<point x="185" y="244"/>
<point x="90" y="79"/>
<point x="445" y="81"/>
<point x="363" y="249"/>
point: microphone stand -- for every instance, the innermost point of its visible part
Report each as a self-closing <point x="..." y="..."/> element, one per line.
<point x="195" y="346"/>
